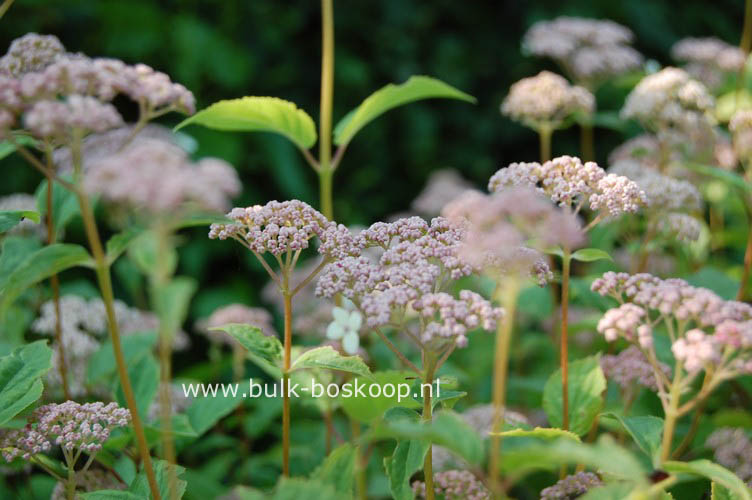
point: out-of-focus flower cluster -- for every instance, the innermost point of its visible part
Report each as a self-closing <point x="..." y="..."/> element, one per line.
<point x="288" y="226"/>
<point x="157" y="177"/>
<point x="705" y="329"/>
<point x="570" y="183"/>
<point x="710" y="60"/>
<point x="631" y="368"/>
<point x="572" y="486"/>
<point x="418" y="261"/>
<point x="501" y="227"/>
<point x="70" y="425"/>
<point x="454" y="485"/>
<point x="546" y="101"/>
<point x="741" y="127"/>
<point x="178" y="401"/>
<point x="83" y="325"/>
<point x="589" y="50"/>
<point x="58" y="93"/>
<point x="676" y="107"/>
<point x="732" y="448"/>
<point x="442" y="187"/>
<point x="237" y="313"/>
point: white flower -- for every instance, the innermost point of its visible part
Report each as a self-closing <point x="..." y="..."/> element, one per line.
<point x="345" y="329"/>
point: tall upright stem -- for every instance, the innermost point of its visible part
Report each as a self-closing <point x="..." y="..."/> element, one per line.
<point x="286" y="378"/>
<point x="326" y="105"/>
<point x="506" y="294"/>
<point x="105" y="284"/>
<point x="672" y="413"/>
<point x="429" y="361"/>
<point x="545" y="143"/>
<point x="741" y="293"/>
<point x="564" y="349"/>
<point x="55" y="285"/>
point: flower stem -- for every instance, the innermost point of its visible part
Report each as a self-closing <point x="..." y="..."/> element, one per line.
<point x="361" y="481"/>
<point x="506" y="294"/>
<point x="429" y="361"/>
<point x="742" y="292"/>
<point x="545" y="143"/>
<point x="672" y="414"/>
<point x="55" y="285"/>
<point x="70" y="482"/>
<point x="326" y="105"/>
<point x="564" y="348"/>
<point x="587" y="144"/>
<point x="105" y="285"/>
<point x="286" y="378"/>
<point x="4" y="7"/>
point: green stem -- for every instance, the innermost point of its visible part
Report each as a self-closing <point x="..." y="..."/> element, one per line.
<point x="545" y="143"/>
<point x="361" y="481"/>
<point x="564" y="354"/>
<point x="4" y="7"/>
<point x="506" y="294"/>
<point x="286" y="376"/>
<point x="105" y="284"/>
<point x="326" y="105"/>
<point x="672" y="414"/>
<point x="429" y="360"/>
<point x="70" y="482"/>
<point x="741" y="293"/>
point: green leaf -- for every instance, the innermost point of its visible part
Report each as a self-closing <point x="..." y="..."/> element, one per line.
<point x="40" y="265"/>
<point x="263" y="350"/>
<point x="646" y="431"/>
<point x="406" y="460"/>
<point x="539" y="432"/>
<point x="728" y="104"/>
<point x="20" y="378"/>
<point x="718" y="492"/>
<point x="613" y="491"/>
<point x="714" y="472"/>
<point x="144" y="377"/>
<point x="727" y="176"/>
<point x="15" y="249"/>
<point x="338" y="469"/>
<point x="297" y="488"/>
<point x="119" y="243"/>
<point x="144" y="250"/>
<point x="11" y="218"/>
<point x="180" y="426"/>
<point x="171" y="303"/>
<point x="110" y="495"/>
<point x="6" y="148"/>
<point x="365" y="408"/>
<point x="391" y="96"/>
<point x="590" y="255"/>
<point x="586" y="386"/>
<point x="258" y="114"/>
<point x="557" y="250"/>
<point x="446" y="429"/>
<point x="64" y="204"/>
<point x="205" y="412"/>
<point x="140" y="485"/>
<point x="448" y="398"/>
<point x="198" y="219"/>
<point x="327" y="357"/>
<point x="102" y="363"/>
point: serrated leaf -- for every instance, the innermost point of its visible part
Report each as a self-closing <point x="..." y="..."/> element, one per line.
<point x="406" y="460"/>
<point x="586" y="386"/>
<point x="590" y="255"/>
<point x="40" y="265"/>
<point x="11" y="218"/>
<point x="20" y="378"/>
<point x="263" y="350"/>
<point x="647" y="432"/>
<point x="712" y="471"/>
<point x="258" y="114"/>
<point x="327" y="357"/>
<point x="140" y="485"/>
<point x="391" y="96"/>
<point x="338" y="469"/>
<point x="539" y="432"/>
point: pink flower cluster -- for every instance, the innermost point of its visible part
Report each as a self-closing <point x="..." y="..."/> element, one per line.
<point x="627" y="321"/>
<point x="417" y="262"/>
<point x="238" y="313"/>
<point x="454" y="485"/>
<point x="288" y="226"/>
<point x="157" y="177"/>
<point x="709" y="59"/>
<point x="569" y="182"/>
<point x="36" y="72"/>
<point x="571" y="486"/>
<point x="732" y="448"/>
<point x="69" y="425"/>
